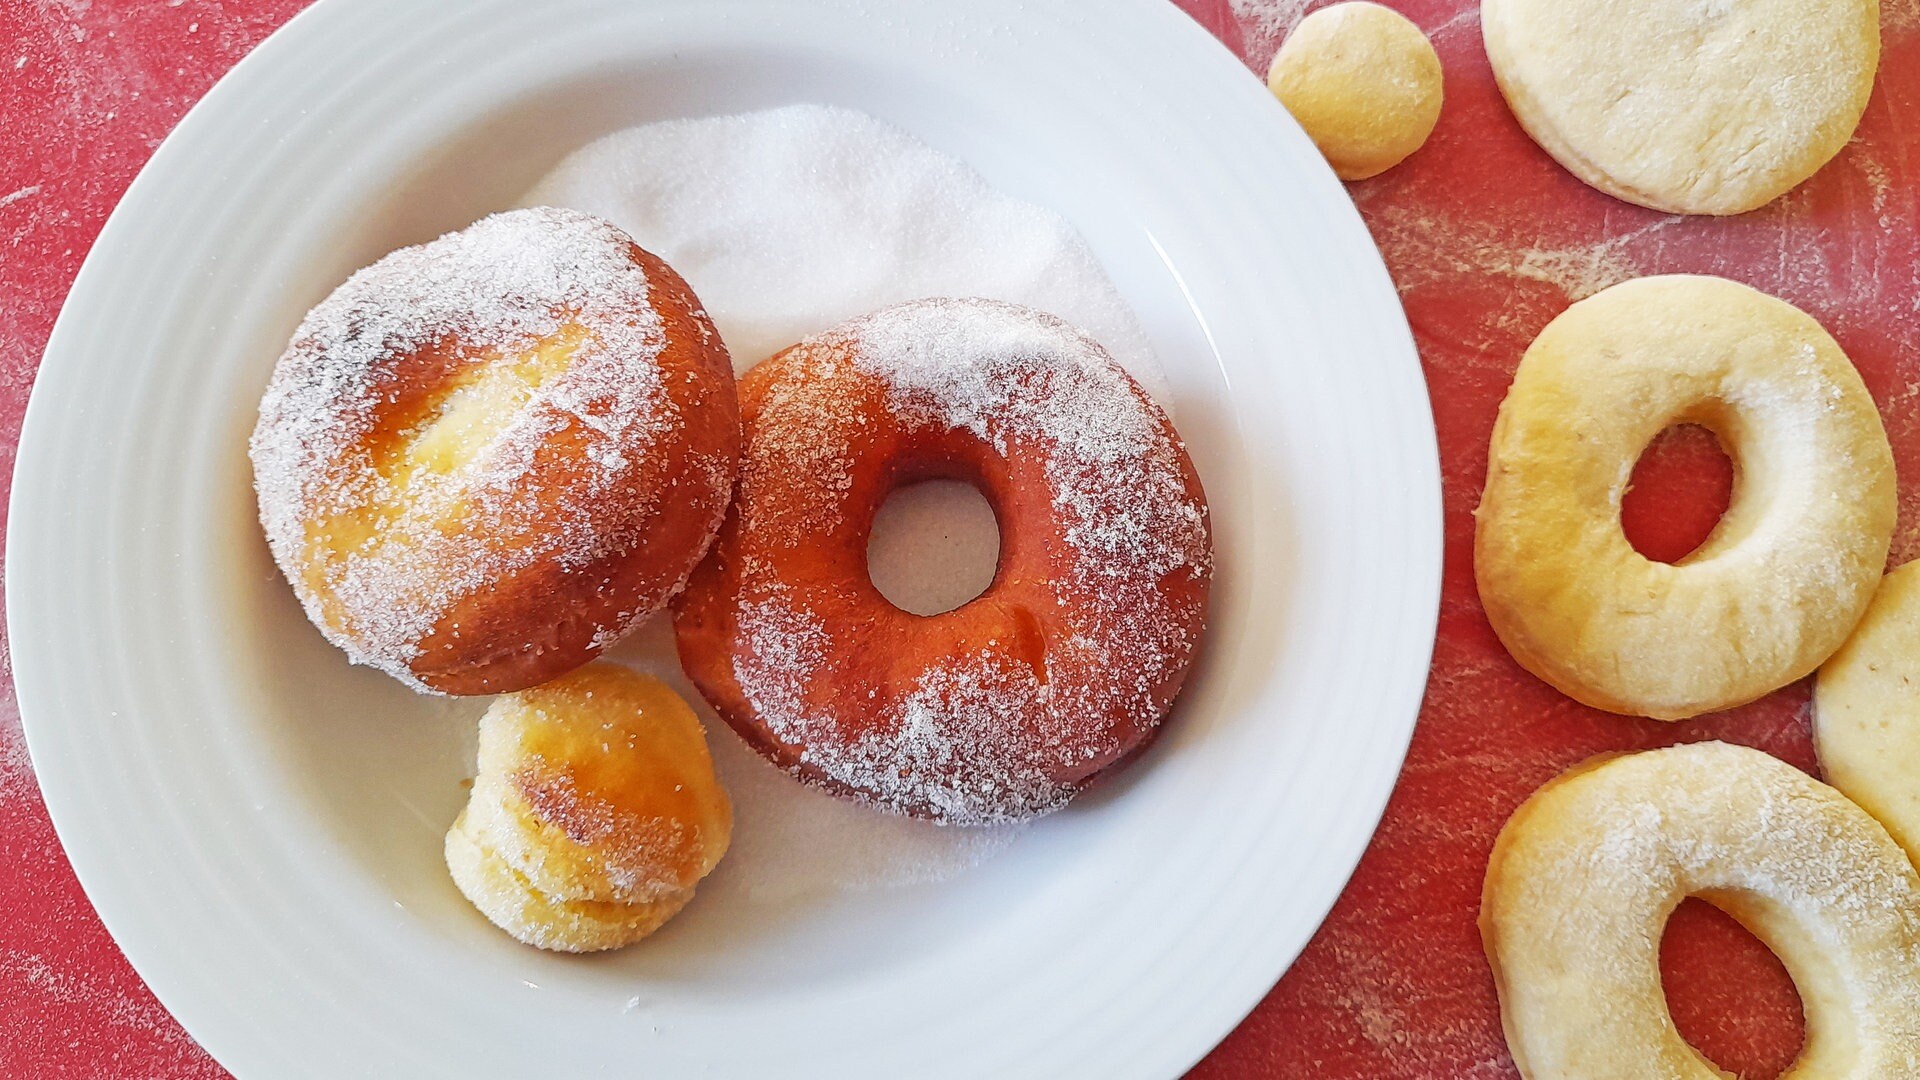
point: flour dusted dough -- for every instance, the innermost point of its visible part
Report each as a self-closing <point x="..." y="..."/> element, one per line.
<point x="1687" y="106"/>
<point x="1364" y="83"/>
<point x="1866" y="709"/>
<point x="1585" y="874"/>
<point x="1786" y="574"/>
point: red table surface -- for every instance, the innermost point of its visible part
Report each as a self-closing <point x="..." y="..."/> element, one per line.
<point x="1488" y="240"/>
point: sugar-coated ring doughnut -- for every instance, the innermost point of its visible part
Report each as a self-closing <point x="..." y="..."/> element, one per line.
<point x="594" y="812"/>
<point x="1004" y="707"/>
<point x="1585" y="874"/>
<point x="1866" y="709"/>
<point x="485" y="458"/>
<point x="1784" y="576"/>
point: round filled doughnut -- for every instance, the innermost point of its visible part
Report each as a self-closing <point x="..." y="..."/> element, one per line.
<point x="1789" y="569"/>
<point x="1585" y="874"/>
<point x="1000" y="709"/>
<point x="594" y="811"/>
<point x="1705" y="107"/>
<point x="1866" y="709"/>
<point x="1363" y="82"/>
<point x="483" y="459"/>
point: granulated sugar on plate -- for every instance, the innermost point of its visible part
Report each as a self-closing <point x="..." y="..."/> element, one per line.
<point x="787" y="222"/>
<point x="791" y="841"/>
<point x="791" y="220"/>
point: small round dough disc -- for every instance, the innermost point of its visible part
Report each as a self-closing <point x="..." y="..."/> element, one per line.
<point x="1866" y="709"/>
<point x="1687" y="106"/>
<point x="1364" y="83"/>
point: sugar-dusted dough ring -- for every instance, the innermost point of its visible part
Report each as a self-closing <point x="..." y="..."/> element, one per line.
<point x="1586" y="872"/>
<point x="1866" y="709"/>
<point x="482" y="459"/>
<point x="1005" y="707"/>
<point x="1792" y="564"/>
<point x="594" y="813"/>
<point x="1687" y="106"/>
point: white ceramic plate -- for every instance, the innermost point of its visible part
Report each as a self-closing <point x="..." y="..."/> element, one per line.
<point x="259" y="825"/>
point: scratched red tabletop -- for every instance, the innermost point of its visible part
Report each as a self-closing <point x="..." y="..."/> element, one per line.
<point x="1488" y="240"/>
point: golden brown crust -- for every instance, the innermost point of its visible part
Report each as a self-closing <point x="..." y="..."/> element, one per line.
<point x="552" y="618"/>
<point x="595" y="811"/>
<point x="509" y="901"/>
<point x="482" y="459"/>
<point x="1000" y="709"/>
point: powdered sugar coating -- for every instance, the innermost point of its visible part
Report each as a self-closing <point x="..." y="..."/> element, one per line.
<point x="794" y="219"/>
<point x="380" y="549"/>
<point x="1011" y="374"/>
<point x="642" y="858"/>
<point x="1060" y="670"/>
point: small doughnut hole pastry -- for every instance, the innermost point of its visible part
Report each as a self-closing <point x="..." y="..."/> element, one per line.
<point x="1006" y="706"/>
<point x="485" y="458"/>
<point x="1866" y="709"/>
<point x="1790" y="568"/>
<point x="1364" y="83"/>
<point x="1586" y="872"/>
<point x="594" y="811"/>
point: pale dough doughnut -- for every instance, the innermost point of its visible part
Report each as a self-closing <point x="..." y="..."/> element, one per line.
<point x="594" y="812"/>
<point x="1586" y="872"/>
<point x="1363" y="81"/>
<point x="1785" y="575"/>
<point x="1866" y="709"/>
<point x="1687" y="106"/>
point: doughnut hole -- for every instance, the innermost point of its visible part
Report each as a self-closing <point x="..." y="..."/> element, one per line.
<point x="934" y="546"/>
<point x="1730" y="996"/>
<point x="1679" y="491"/>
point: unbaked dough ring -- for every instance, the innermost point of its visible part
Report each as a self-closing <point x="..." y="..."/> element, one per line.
<point x="1687" y="106"/>
<point x="1587" y="871"/>
<point x="1785" y="575"/>
<point x="1866" y="709"/>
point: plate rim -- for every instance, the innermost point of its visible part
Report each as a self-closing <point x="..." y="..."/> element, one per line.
<point x="31" y="677"/>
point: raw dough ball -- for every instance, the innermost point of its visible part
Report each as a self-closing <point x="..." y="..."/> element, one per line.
<point x="1687" y="106"/>
<point x="1364" y="83"/>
